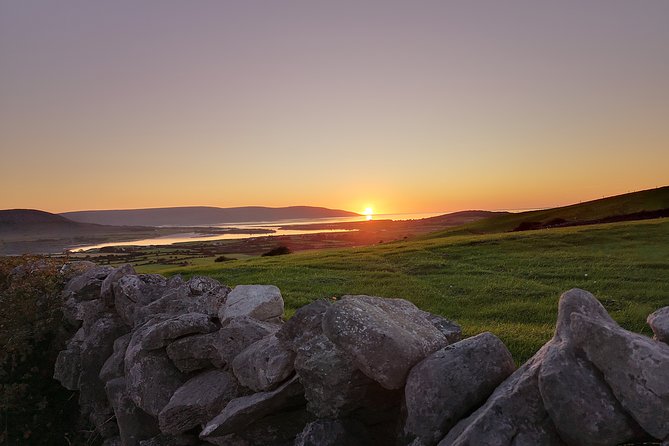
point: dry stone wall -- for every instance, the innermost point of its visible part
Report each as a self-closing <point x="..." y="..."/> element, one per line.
<point x="162" y="361"/>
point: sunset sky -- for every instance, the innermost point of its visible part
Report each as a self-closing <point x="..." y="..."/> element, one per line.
<point x="407" y="106"/>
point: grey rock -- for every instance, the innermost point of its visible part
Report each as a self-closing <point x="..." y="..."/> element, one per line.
<point x="78" y="313"/>
<point x="95" y="349"/>
<point x="384" y="337"/>
<point x="264" y="364"/>
<point x="106" y="289"/>
<point x="134" y="424"/>
<point x="151" y="378"/>
<point x="634" y="366"/>
<point x="243" y="411"/>
<point x="305" y="324"/>
<point x="103" y="420"/>
<point x="86" y="286"/>
<point x="449" y="383"/>
<point x="134" y="291"/>
<point x="112" y="441"/>
<point x="68" y="368"/>
<point x="326" y="432"/>
<point x="76" y="268"/>
<point x="198" y="295"/>
<point x="114" y="365"/>
<point x="173" y="440"/>
<point x="162" y="333"/>
<point x="195" y="352"/>
<point x="659" y="323"/>
<point x="450" y="329"/>
<point x="333" y="387"/>
<point x="198" y="401"/>
<point x="581" y="405"/>
<point x="261" y="302"/>
<point x="240" y="332"/>
<point x="514" y="414"/>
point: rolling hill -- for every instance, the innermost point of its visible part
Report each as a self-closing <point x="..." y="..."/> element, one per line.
<point x="651" y="203"/>
<point x="202" y="215"/>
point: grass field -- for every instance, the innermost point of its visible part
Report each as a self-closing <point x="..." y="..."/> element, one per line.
<point x="507" y="283"/>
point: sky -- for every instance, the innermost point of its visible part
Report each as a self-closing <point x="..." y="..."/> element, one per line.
<point x="402" y="106"/>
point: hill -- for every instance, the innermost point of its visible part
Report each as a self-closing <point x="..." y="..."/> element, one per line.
<point x="651" y="203"/>
<point x="202" y="215"/>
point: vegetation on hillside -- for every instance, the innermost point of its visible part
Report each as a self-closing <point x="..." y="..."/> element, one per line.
<point x="34" y="408"/>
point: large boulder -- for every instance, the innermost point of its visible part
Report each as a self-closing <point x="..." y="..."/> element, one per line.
<point x="134" y="425"/>
<point x="151" y="378"/>
<point x="242" y="412"/>
<point x="114" y="365"/>
<point x="195" y="352"/>
<point x="198" y="401"/>
<point x="514" y="415"/>
<point x="95" y="349"/>
<point x="134" y="291"/>
<point x="344" y="432"/>
<point x="162" y="333"/>
<point x="305" y="324"/>
<point x="449" y="383"/>
<point x="572" y="388"/>
<point x="86" y="286"/>
<point x="106" y="289"/>
<point x="659" y="323"/>
<point x="239" y="333"/>
<point x="635" y="367"/>
<point x="198" y="295"/>
<point x="384" y="337"/>
<point x="261" y="302"/>
<point x="264" y="364"/>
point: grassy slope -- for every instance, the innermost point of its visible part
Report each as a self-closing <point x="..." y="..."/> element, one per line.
<point x="647" y="200"/>
<point x="505" y="283"/>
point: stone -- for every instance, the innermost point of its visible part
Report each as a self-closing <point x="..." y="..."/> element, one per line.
<point x="151" y="378"/>
<point x="452" y="381"/>
<point x="635" y="367"/>
<point x="173" y="440"/>
<point x="579" y="402"/>
<point x="75" y="268"/>
<point x="261" y="302"/>
<point x="659" y="323"/>
<point x="384" y="337"/>
<point x="106" y="289"/>
<point x="305" y="324"/>
<point x="162" y="333"/>
<point x="198" y="295"/>
<point x="68" y="368"/>
<point x="78" y="313"/>
<point x="86" y="286"/>
<point x="264" y="364"/>
<point x="333" y="387"/>
<point x="513" y="415"/>
<point x="344" y="432"/>
<point x="195" y="352"/>
<point x="241" y="412"/>
<point x="448" y="328"/>
<point x="95" y="349"/>
<point x="198" y="401"/>
<point x="134" y="424"/>
<point x="134" y="291"/>
<point x="239" y="333"/>
<point x="114" y="365"/>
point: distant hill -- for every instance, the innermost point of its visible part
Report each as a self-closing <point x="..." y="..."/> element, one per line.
<point x="202" y="215"/>
<point x="651" y="203"/>
<point x="31" y="221"/>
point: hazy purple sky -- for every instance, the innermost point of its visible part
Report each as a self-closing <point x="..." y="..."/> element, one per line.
<point x="401" y="106"/>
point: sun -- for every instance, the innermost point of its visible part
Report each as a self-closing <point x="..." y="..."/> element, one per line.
<point x="369" y="213"/>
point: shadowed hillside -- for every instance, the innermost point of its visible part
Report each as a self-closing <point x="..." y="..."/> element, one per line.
<point x="641" y="205"/>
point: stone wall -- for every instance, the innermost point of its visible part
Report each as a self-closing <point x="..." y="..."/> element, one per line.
<point x="162" y="361"/>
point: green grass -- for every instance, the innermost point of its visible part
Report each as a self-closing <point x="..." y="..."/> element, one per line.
<point x="647" y="200"/>
<point x="508" y="283"/>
